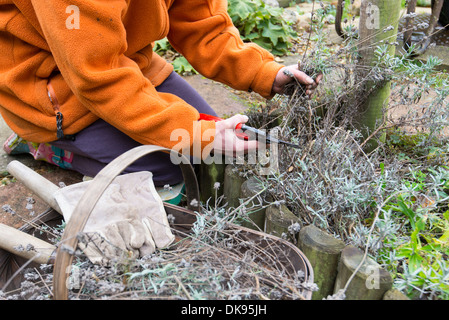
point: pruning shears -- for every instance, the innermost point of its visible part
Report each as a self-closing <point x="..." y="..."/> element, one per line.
<point x="243" y="127"/>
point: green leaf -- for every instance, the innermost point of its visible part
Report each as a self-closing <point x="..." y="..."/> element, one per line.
<point x="408" y="212"/>
<point x="161" y="46"/>
<point x="249" y="27"/>
<point x="261" y="24"/>
<point x="252" y="36"/>
<point x="414" y="262"/>
<point x="181" y="66"/>
<point x="421" y="223"/>
<point x="242" y="9"/>
<point x="263" y="43"/>
<point x="444" y="237"/>
<point x="446" y="215"/>
<point x="272" y="35"/>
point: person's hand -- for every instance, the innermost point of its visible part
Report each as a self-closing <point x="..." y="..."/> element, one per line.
<point x="226" y="140"/>
<point x="289" y="74"/>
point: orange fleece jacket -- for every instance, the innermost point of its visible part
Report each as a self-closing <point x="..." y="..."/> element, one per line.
<point x="106" y="68"/>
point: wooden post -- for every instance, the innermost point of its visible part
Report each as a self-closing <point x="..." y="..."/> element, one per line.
<point x="256" y="208"/>
<point x="232" y="185"/>
<point x="209" y="176"/>
<point x="370" y="282"/>
<point x="278" y="220"/>
<point x="323" y="251"/>
<point x="394" y="294"/>
<point x="378" y="22"/>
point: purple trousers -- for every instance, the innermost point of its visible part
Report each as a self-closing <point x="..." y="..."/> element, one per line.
<point x="100" y="143"/>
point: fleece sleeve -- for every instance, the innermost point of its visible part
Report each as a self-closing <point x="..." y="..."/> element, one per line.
<point x="203" y="32"/>
<point x="92" y="61"/>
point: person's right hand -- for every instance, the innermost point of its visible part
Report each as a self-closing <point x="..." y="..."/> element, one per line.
<point x="226" y="140"/>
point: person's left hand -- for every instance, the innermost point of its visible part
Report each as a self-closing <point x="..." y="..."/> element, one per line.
<point x="284" y="76"/>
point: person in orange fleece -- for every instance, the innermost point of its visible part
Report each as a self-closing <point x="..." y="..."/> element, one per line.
<point x="80" y="83"/>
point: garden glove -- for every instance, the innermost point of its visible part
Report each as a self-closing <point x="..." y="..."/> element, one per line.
<point x="128" y="218"/>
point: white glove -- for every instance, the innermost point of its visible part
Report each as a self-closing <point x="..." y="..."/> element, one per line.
<point x="129" y="218"/>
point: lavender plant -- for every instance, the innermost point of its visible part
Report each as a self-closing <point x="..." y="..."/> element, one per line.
<point x="334" y="182"/>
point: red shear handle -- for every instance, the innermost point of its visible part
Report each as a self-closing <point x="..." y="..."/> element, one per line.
<point x="208" y="117"/>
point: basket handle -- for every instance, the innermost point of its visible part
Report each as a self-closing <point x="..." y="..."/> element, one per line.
<point x="93" y="193"/>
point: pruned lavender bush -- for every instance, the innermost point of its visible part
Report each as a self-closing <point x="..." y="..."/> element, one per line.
<point x="373" y="199"/>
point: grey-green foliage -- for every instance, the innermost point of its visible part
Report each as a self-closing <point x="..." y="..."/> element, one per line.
<point x="333" y="183"/>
